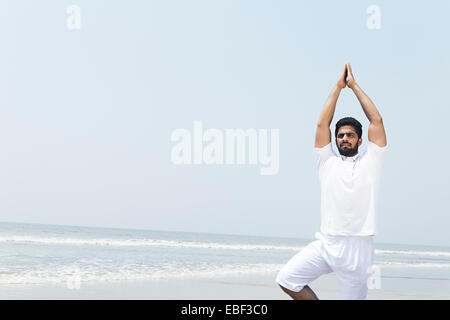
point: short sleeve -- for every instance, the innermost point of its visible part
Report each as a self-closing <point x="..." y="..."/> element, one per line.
<point x="376" y="154"/>
<point x="323" y="154"/>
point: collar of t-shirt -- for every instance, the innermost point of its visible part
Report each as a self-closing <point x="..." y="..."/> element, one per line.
<point x="350" y="159"/>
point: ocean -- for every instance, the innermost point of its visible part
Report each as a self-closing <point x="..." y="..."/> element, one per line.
<point x="44" y="254"/>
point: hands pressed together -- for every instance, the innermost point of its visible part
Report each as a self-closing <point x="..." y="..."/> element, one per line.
<point x="346" y="78"/>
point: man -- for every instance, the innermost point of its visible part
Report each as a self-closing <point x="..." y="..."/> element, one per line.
<point x="349" y="188"/>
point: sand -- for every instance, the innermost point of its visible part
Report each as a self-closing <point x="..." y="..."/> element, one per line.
<point x="241" y="287"/>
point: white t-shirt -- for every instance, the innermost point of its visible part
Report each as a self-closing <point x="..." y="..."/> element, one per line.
<point x="349" y="190"/>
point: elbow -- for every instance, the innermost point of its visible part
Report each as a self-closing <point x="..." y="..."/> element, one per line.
<point x="376" y="120"/>
<point x="323" y="125"/>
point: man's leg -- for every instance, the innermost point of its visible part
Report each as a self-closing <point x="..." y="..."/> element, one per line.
<point x="351" y="290"/>
<point x="301" y="269"/>
<point x="305" y="294"/>
<point x="353" y="276"/>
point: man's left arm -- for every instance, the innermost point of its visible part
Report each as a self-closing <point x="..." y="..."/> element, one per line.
<point x="376" y="130"/>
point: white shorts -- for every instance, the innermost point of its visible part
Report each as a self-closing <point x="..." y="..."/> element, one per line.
<point x="349" y="257"/>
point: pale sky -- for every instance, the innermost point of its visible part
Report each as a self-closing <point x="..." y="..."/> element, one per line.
<point x="87" y="115"/>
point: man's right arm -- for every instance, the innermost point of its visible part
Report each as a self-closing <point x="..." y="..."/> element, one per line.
<point x="323" y="133"/>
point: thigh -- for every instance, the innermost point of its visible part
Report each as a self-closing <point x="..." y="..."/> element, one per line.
<point x="353" y="276"/>
<point x="304" y="267"/>
<point x="352" y="290"/>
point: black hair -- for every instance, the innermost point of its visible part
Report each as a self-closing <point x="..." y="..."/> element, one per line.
<point x="349" y="121"/>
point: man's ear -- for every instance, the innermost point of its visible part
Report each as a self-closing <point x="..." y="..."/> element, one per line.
<point x="359" y="142"/>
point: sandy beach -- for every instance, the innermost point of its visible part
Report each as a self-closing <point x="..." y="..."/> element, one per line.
<point x="245" y="287"/>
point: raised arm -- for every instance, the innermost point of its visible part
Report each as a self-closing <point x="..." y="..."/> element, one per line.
<point x="323" y="133"/>
<point x="376" y="131"/>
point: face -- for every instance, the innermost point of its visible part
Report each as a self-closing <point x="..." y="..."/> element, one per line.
<point x="347" y="141"/>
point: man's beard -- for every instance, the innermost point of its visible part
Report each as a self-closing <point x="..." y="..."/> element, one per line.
<point x="348" y="152"/>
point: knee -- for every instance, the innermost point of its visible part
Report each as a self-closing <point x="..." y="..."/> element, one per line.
<point x="281" y="279"/>
<point x="281" y="275"/>
<point x="285" y="289"/>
